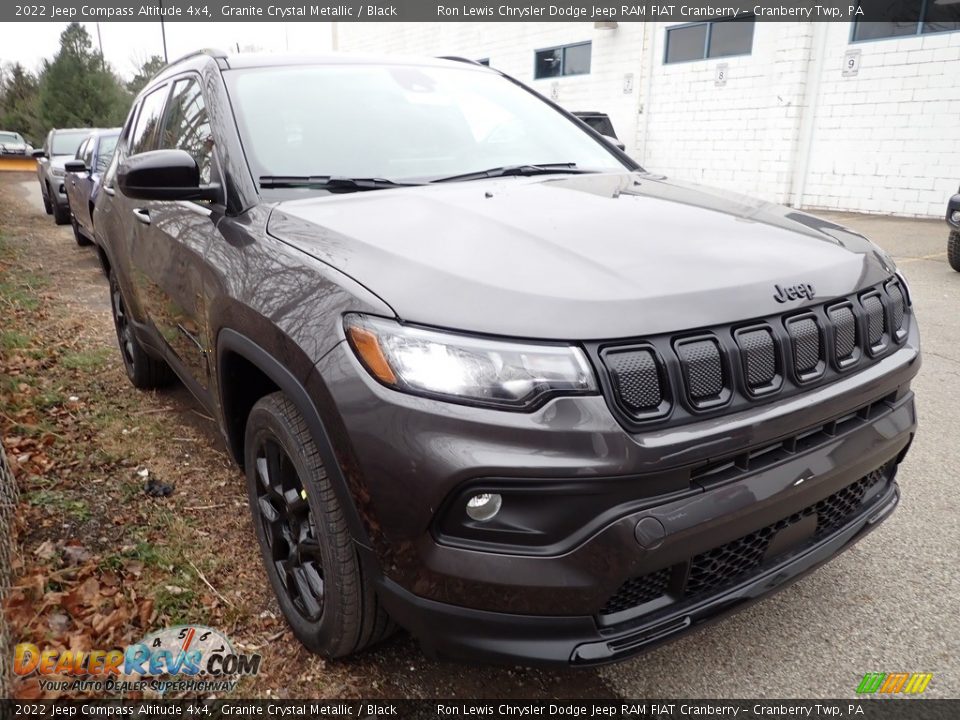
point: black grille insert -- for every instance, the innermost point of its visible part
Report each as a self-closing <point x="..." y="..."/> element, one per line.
<point x="807" y="342"/>
<point x="758" y="351"/>
<point x="844" y="324"/>
<point x="898" y="310"/>
<point x="702" y="366"/>
<point x="876" y="321"/>
<point x="636" y="378"/>
<point x="725" y="565"/>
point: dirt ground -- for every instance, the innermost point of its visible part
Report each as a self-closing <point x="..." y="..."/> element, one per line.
<point x="102" y="563"/>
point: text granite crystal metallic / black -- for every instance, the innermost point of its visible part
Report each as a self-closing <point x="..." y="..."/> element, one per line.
<point x="488" y="379"/>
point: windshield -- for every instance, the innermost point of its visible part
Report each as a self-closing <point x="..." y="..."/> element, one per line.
<point x="66" y="143"/>
<point x="399" y="123"/>
<point x="10" y="137"/>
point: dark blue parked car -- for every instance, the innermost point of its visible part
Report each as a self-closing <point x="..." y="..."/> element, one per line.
<point x="83" y="180"/>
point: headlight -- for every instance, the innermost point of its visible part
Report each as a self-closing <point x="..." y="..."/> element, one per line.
<point x="466" y="369"/>
<point x="58" y="172"/>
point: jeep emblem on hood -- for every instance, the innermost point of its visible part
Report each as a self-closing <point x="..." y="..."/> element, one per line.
<point x="794" y="292"/>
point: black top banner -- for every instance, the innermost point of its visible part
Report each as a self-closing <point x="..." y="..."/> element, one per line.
<point x="457" y="11"/>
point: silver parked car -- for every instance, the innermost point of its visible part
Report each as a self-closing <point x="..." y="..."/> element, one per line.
<point x="59" y="148"/>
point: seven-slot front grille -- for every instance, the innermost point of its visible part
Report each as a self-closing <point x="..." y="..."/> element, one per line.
<point x="684" y="376"/>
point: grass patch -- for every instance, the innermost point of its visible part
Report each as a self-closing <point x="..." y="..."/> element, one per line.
<point x="86" y="359"/>
<point x="23" y="290"/>
<point x="57" y="500"/>
<point x="13" y="340"/>
<point x="180" y="606"/>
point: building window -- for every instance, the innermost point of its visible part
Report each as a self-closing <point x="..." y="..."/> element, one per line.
<point x="717" y="38"/>
<point x="912" y="17"/>
<point x="484" y="61"/>
<point x="563" y="60"/>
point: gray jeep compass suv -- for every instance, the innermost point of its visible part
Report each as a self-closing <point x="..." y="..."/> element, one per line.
<point x="488" y="379"/>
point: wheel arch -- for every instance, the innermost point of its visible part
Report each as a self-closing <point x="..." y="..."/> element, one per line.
<point x="236" y="351"/>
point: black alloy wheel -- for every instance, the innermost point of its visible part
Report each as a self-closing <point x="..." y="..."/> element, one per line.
<point x="289" y="529"/>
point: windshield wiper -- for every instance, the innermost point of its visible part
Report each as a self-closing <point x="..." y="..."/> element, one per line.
<point x="333" y="183"/>
<point x="506" y="170"/>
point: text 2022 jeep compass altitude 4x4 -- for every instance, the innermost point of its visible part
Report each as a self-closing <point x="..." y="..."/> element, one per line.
<point x="556" y="411"/>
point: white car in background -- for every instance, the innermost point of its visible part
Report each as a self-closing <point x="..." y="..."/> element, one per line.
<point x="12" y="143"/>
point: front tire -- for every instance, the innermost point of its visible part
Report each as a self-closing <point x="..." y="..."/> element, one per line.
<point x="953" y="250"/>
<point x="145" y="372"/>
<point x="45" y="194"/>
<point x="307" y="550"/>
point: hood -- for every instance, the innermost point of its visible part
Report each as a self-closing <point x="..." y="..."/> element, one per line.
<point x="578" y="257"/>
<point x="58" y="161"/>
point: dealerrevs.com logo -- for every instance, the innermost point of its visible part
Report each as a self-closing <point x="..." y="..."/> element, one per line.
<point x="184" y="658"/>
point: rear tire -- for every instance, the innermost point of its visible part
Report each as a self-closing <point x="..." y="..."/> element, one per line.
<point x="77" y="235"/>
<point x="145" y="372"/>
<point x="307" y="550"/>
<point x="953" y="250"/>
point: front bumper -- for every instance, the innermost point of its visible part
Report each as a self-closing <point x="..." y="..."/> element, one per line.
<point x="561" y="600"/>
<point x="461" y="633"/>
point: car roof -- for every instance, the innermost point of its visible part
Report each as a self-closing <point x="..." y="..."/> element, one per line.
<point x="254" y="60"/>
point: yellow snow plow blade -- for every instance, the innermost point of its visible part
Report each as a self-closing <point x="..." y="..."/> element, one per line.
<point x="17" y="164"/>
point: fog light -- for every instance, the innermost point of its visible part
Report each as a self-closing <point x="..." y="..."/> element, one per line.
<point x="483" y="507"/>
<point x="955" y="217"/>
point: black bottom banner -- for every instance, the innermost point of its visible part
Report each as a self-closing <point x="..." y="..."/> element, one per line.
<point x="910" y="709"/>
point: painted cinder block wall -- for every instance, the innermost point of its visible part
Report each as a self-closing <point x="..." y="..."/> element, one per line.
<point x="786" y="126"/>
<point x="888" y="139"/>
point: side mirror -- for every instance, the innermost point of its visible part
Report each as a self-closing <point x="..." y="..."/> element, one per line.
<point x="613" y="141"/>
<point x="164" y="175"/>
<point x="75" y="166"/>
<point x="39" y="153"/>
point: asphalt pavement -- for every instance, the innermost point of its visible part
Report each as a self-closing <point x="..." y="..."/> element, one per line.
<point x="892" y="602"/>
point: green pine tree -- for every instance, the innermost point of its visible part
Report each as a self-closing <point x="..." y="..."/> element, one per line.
<point x="18" y="103"/>
<point x="77" y="88"/>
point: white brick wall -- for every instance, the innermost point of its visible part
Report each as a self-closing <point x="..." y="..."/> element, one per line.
<point x="888" y="139"/>
<point x="786" y="126"/>
<point x="740" y="135"/>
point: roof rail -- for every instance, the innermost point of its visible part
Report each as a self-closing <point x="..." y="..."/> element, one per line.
<point x="211" y="52"/>
<point x="457" y="58"/>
